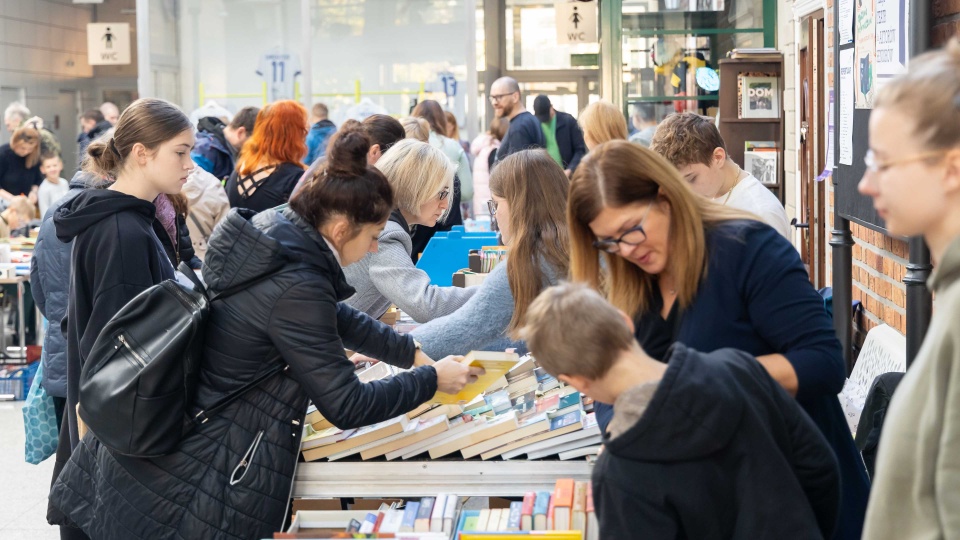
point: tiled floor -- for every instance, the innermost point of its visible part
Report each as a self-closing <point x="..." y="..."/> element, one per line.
<point x="23" y="487"/>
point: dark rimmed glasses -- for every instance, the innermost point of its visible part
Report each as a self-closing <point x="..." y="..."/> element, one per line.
<point x="632" y="237"/>
<point x="443" y="194"/>
<point x="492" y="207"/>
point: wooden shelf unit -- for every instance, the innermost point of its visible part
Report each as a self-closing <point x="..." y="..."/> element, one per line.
<point x="735" y="130"/>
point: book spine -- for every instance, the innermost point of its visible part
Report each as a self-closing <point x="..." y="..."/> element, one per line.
<point x="436" y="519"/>
<point x="513" y="523"/>
<point x="409" y="517"/>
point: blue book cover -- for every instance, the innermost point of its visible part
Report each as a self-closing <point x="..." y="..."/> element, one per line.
<point x="542" y="503"/>
<point x="513" y="522"/>
<point x="410" y="515"/>
<point x="468" y="520"/>
<point x="565" y="420"/>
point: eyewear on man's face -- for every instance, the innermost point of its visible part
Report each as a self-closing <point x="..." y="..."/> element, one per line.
<point x="495" y="98"/>
<point x="632" y="237"/>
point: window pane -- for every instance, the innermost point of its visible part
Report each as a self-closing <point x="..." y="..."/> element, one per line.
<point x="531" y="32"/>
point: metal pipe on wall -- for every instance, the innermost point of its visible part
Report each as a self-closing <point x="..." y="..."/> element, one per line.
<point x="919" y="299"/>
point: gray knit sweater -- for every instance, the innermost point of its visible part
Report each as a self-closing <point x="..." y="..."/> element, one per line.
<point x="390" y="277"/>
<point x="480" y="325"/>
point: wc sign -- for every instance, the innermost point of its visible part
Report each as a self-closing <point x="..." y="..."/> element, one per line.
<point x="108" y="44"/>
<point x="576" y="21"/>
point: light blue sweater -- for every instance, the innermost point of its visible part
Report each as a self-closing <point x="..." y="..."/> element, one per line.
<point x="480" y="325"/>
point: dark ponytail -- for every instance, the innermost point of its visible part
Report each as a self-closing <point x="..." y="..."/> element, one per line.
<point x="345" y="185"/>
<point x="150" y="122"/>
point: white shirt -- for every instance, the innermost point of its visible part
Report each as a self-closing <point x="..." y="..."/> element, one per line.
<point x="50" y="193"/>
<point x="752" y="196"/>
<point x="279" y="68"/>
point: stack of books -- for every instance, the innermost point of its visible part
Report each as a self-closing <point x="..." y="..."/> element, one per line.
<point x="759" y="54"/>
<point x="515" y="409"/>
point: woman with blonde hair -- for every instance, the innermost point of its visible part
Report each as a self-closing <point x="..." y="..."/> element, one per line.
<point x="416" y="128"/>
<point x="20" y="165"/>
<point x="691" y="271"/>
<point x="601" y="121"/>
<point x="422" y="181"/>
<point x="529" y="193"/>
<point x="913" y="176"/>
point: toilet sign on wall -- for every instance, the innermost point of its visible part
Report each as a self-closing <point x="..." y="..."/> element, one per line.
<point x="108" y="44"/>
<point x="576" y="21"/>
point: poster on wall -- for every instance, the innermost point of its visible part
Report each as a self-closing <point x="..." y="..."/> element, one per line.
<point x="865" y="69"/>
<point x="846" y="106"/>
<point x="831" y="137"/>
<point x="892" y="48"/>
<point x="845" y="12"/>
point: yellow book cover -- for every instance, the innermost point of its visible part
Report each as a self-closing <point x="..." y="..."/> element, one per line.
<point x="496" y="364"/>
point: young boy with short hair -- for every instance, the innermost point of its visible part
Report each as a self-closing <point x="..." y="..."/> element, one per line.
<point x="19" y="212"/>
<point x="53" y="186"/>
<point x="692" y="143"/>
<point x="704" y="446"/>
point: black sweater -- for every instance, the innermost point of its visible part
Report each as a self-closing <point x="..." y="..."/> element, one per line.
<point x="116" y="256"/>
<point x="721" y="452"/>
<point x="15" y="177"/>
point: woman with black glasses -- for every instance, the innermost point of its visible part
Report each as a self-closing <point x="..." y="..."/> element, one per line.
<point x="691" y="271"/>
<point x="422" y="180"/>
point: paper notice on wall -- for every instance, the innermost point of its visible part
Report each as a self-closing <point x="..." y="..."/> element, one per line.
<point x="892" y="40"/>
<point x="846" y="9"/>
<point x="831" y="140"/>
<point x="865" y="69"/>
<point x="846" y="106"/>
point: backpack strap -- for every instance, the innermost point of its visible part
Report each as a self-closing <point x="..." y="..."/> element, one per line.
<point x="204" y="415"/>
<point x="203" y="230"/>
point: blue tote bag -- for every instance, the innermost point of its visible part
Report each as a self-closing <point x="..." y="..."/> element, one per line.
<point x="39" y="422"/>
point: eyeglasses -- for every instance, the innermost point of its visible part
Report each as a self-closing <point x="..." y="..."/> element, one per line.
<point x="443" y="194"/>
<point x="875" y="166"/>
<point x="633" y="237"/>
<point x="497" y="97"/>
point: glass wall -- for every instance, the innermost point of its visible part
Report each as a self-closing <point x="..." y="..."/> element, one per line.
<point x="671" y="50"/>
<point x="531" y="31"/>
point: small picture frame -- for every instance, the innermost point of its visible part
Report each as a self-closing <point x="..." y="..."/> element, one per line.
<point x="760" y="97"/>
<point x="760" y="160"/>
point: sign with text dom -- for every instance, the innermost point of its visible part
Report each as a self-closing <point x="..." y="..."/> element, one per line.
<point x="576" y="21"/>
<point x="108" y="44"/>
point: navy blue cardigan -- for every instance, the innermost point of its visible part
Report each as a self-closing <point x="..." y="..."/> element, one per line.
<point x="756" y="296"/>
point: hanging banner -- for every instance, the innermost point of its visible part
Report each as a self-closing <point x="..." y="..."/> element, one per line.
<point x="576" y="21"/>
<point x="892" y="49"/>
<point x="865" y="69"/>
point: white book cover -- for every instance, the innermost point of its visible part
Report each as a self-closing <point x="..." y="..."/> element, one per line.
<point x="580" y="452"/>
<point x="562" y="439"/>
<point x="436" y="519"/>
<point x="596" y="439"/>
<point x="415" y="450"/>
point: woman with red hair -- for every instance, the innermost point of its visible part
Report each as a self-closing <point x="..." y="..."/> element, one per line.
<point x="271" y="160"/>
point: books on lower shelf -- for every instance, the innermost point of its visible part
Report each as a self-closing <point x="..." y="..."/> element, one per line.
<point x="447" y="516"/>
<point x="521" y="410"/>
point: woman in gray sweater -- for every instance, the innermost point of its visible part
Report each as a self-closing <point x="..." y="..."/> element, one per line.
<point x="422" y="181"/>
<point x="529" y="196"/>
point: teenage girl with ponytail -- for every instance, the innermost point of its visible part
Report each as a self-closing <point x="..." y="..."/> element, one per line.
<point x="232" y="476"/>
<point x="116" y="253"/>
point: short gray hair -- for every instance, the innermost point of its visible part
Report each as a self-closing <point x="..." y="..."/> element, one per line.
<point x="16" y="108"/>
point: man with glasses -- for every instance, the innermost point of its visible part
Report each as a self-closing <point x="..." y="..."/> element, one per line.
<point x="524" y="131"/>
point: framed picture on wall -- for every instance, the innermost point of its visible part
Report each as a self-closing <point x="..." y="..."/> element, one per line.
<point x="759" y="97"/>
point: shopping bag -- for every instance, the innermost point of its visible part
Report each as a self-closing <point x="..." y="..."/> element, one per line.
<point x="39" y="422"/>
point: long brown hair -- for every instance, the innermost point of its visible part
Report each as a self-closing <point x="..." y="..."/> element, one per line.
<point x="617" y="174"/>
<point x="535" y="187"/>
<point x="432" y="112"/>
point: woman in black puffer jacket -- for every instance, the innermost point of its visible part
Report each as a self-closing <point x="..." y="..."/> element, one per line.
<point x="232" y="476"/>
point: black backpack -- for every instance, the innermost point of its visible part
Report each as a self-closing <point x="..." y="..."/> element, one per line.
<point x="138" y="382"/>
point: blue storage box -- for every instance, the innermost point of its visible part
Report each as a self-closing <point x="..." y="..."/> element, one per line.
<point x="449" y="251"/>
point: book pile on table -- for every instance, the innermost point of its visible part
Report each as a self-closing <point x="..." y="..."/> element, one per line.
<point x="565" y="514"/>
<point x="516" y="409"/>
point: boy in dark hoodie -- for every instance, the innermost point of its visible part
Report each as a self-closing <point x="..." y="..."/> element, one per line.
<point x="707" y="446"/>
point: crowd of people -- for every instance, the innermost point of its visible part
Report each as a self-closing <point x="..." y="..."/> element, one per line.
<point x="650" y="272"/>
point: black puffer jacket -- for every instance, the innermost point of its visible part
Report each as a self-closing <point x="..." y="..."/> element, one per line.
<point x="201" y="490"/>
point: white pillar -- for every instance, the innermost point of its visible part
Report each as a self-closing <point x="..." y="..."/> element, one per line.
<point x="145" y="86"/>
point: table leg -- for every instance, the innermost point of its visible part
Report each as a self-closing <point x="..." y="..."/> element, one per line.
<point x="21" y="322"/>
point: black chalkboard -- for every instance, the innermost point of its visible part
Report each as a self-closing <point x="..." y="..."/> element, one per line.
<point x="850" y="203"/>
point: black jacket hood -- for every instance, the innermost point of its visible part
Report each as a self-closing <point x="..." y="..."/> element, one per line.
<point x="94" y="205"/>
<point x="211" y="124"/>
<point x="247" y="246"/>
<point x="693" y="413"/>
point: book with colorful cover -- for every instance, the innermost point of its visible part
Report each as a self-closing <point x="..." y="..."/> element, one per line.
<point x="495" y="365"/>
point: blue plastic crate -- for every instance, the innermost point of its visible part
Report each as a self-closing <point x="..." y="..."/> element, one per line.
<point x="18" y="381"/>
<point x="449" y="251"/>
